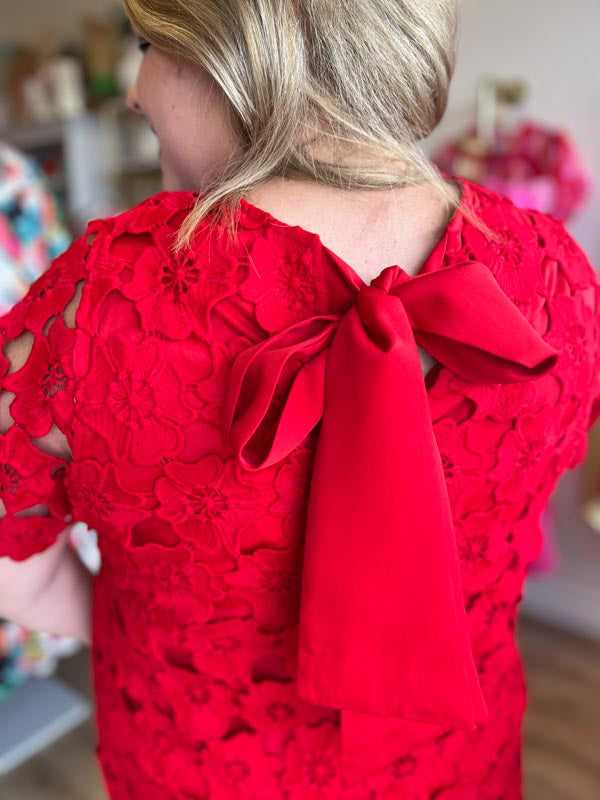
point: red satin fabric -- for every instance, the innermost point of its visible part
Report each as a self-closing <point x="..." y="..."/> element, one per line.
<point x="383" y="633"/>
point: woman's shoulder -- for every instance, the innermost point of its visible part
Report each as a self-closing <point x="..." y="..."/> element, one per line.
<point x="158" y="218"/>
<point x="266" y="274"/>
<point x="160" y="209"/>
<point x="548" y="275"/>
<point x="530" y="252"/>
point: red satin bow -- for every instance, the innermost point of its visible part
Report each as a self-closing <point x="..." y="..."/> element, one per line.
<point x="383" y="633"/>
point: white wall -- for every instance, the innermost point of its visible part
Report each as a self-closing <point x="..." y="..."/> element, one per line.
<point x="555" y="46"/>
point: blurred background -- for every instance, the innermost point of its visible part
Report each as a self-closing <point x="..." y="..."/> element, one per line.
<point x="523" y="118"/>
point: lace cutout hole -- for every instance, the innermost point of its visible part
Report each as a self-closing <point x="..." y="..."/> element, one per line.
<point x="72" y="307"/>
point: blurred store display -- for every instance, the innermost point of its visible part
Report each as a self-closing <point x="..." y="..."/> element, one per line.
<point x="64" y="105"/>
<point x="71" y="155"/>
<point x="534" y="165"/>
<point x="32" y="232"/>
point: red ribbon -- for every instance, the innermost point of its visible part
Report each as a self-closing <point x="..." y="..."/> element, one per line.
<point x="383" y="632"/>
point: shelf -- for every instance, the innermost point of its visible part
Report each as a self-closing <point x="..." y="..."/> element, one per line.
<point x="107" y="158"/>
<point x="138" y="168"/>
<point x="27" y="136"/>
<point x="35" y="715"/>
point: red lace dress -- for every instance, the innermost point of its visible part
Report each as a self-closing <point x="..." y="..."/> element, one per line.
<point x="257" y="636"/>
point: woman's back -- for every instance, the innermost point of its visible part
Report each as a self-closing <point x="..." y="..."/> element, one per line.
<point x="196" y="608"/>
<point x="368" y="229"/>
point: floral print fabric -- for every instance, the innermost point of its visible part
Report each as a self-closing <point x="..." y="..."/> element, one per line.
<point x="31" y="234"/>
<point x="195" y="627"/>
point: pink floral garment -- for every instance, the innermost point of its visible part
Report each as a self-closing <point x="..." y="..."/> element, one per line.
<point x="195" y="627"/>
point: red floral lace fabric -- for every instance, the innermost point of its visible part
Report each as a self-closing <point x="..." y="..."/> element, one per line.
<point x="195" y="626"/>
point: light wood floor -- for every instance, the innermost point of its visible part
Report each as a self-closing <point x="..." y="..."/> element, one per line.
<point x="562" y="728"/>
<point x="562" y="725"/>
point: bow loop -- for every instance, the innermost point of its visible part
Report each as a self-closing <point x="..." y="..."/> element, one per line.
<point x="391" y="278"/>
<point x="466" y="322"/>
<point x="276" y="392"/>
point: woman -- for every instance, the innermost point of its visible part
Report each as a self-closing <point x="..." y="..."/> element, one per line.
<point x="311" y="555"/>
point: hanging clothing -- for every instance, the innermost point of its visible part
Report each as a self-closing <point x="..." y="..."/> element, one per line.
<point x="31" y="232"/>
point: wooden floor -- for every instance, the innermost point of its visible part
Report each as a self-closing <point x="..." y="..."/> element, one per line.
<point x="562" y="728"/>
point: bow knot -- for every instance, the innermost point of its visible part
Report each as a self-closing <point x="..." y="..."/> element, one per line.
<point x="382" y="632"/>
<point x="391" y="278"/>
<point x="381" y="310"/>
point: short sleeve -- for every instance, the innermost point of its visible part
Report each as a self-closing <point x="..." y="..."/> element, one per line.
<point x="36" y="394"/>
<point x="595" y="383"/>
<point x="587" y="326"/>
<point x="595" y="409"/>
<point x="573" y="303"/>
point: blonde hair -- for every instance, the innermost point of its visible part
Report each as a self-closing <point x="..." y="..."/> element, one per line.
<point x="359" y="76"/>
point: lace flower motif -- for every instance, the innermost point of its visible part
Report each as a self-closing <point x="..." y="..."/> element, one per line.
<point x="98" y="497"/>
<point x="240" y="770"/>
<point x="132" y="400"/>
<point x="174" y="294"/>
<point x="285" y="284"/>
<point x="269" y="580"/>
<point x="43" y="387"/>
<point x="26" y="474"/>
<point x="200" y="707"/>
<point x="206" y="503"/>
<point x="312" y="765"/>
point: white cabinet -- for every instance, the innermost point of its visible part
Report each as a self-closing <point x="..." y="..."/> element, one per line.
<point x="97" y="164"/>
